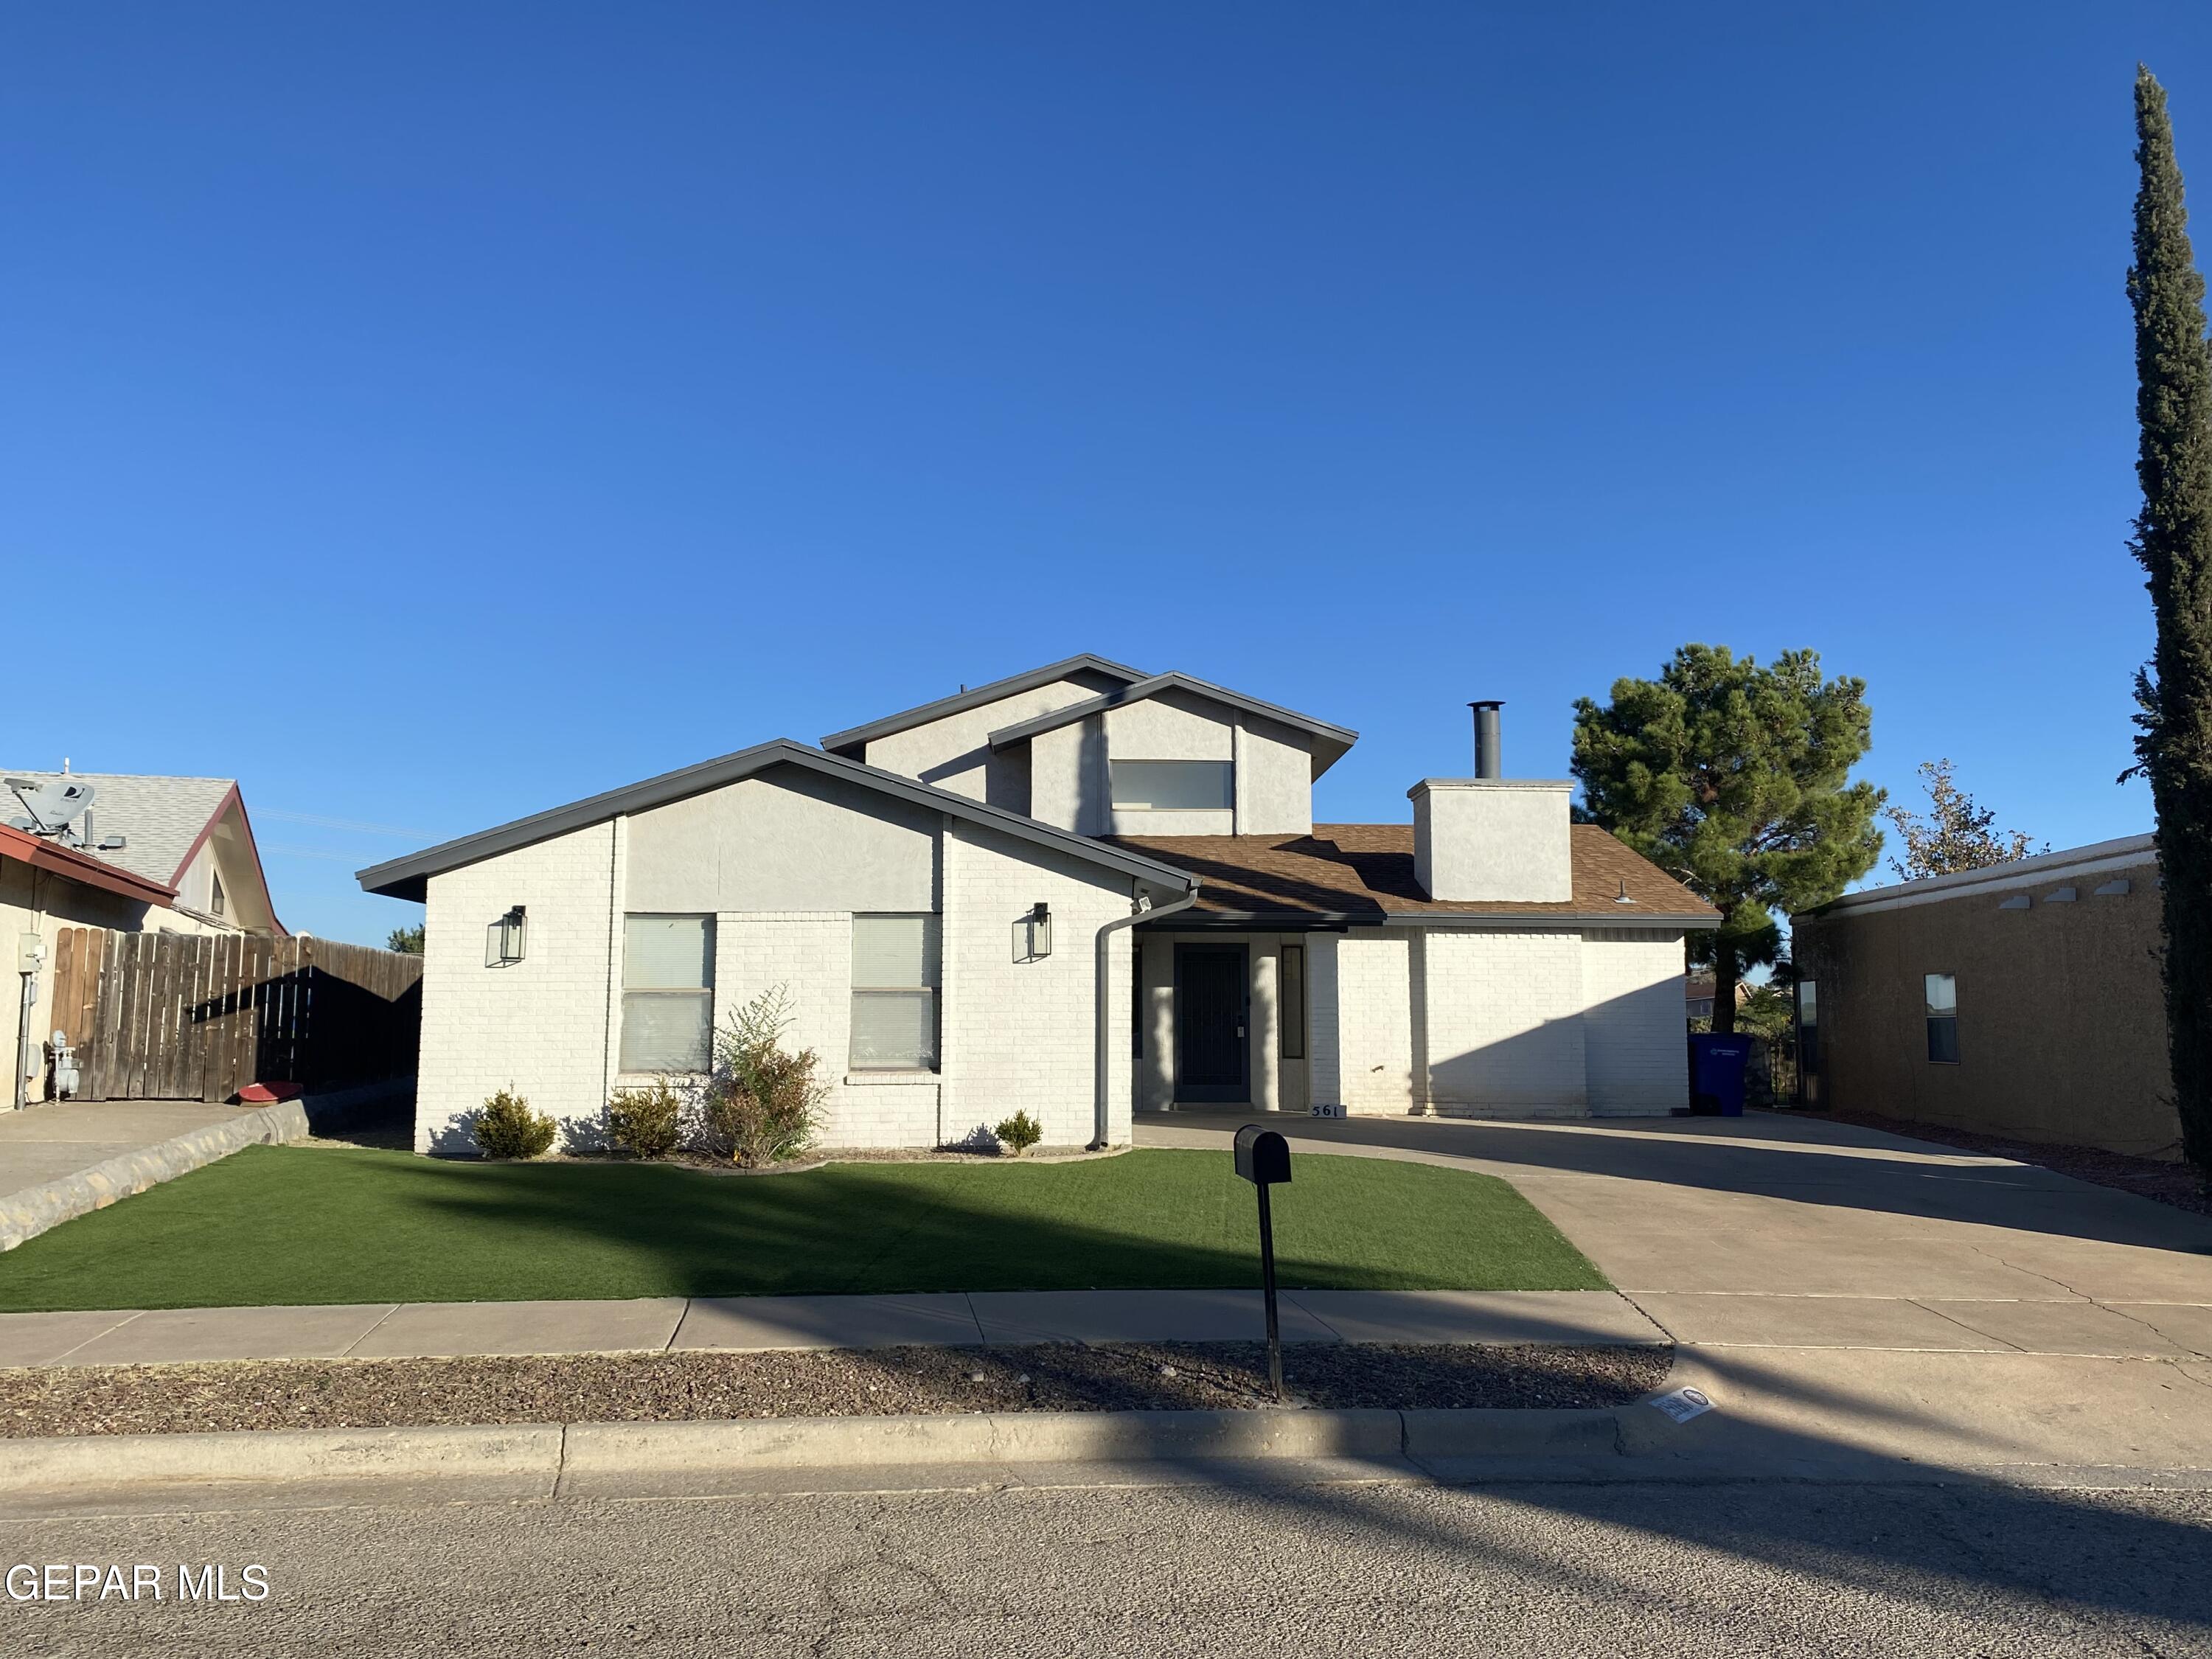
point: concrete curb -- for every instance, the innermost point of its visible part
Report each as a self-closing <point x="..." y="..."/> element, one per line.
<point x="33" y="1210"/>
<point x="547" y="1455"/>
<point x="112" y="1461"/>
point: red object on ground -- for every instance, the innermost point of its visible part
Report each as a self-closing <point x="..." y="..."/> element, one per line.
<point x="261" y="1094"/>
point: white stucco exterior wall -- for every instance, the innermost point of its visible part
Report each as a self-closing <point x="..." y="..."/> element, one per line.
<point x="1508" y="839"/>
<point x="1067" y="777"/>
<point x="955" y="752"/>
<point x="787" y="841"/>
<point x="1171" y="727"/>
<point x="1635" y="1029"/>
<point x="1275" y="779"/>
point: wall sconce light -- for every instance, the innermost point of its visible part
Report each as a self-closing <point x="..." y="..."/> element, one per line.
<point x="503" y="939"/>
<point x="1035" y="932"/>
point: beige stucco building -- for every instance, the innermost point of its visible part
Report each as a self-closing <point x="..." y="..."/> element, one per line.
<point x="2023" y="1000"/>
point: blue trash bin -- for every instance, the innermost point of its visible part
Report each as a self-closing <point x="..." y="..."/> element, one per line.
<point x="1716" y="1065"/>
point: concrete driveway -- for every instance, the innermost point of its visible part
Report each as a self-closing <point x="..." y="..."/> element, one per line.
<point x="1859" y="1290"/>
<point x="40" y="1143"/>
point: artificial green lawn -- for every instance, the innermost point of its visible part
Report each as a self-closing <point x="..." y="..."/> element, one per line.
<point x="274" y="1225"/>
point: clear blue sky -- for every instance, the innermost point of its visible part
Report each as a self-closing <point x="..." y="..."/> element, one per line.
<point x="429" y="413"/>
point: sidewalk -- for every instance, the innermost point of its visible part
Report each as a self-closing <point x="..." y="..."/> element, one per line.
<point x="992" y="1319"/>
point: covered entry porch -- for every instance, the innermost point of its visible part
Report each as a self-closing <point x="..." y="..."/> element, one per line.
<point x="1223" y="1019"/>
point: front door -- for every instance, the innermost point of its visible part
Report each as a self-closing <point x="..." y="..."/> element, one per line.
<point x="1212" y="1056"/>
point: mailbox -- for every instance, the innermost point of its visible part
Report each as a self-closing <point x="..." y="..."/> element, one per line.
<point x="1263" y="1157"/>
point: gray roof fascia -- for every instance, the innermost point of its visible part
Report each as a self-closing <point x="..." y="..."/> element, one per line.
<point x="407" y="877"/>
<point x="1023" y="731"/>
<point x="1625" y="916"/>
<point x="2126" y="852"/>
<point x="859" y="737"/>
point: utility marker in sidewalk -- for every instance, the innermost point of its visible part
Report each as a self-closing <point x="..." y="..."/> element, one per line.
<point x="1263" y="1157"/>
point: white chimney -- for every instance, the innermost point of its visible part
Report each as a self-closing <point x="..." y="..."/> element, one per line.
<point x="1490" y="838"/>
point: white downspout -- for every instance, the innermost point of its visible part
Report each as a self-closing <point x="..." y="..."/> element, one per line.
<point x="1140" y="909"/>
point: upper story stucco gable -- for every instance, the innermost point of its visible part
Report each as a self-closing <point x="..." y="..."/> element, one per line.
<point x="1092" y="747"/>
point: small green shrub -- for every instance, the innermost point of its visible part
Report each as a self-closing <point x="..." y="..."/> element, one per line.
<point x="505" y="1127"/>
<point x="761" y="1102"/>
<point x="1019" y="1134"/>
<point x="647" y="1121"/>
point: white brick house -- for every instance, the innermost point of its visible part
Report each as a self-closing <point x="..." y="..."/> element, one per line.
<point x="1083" y="891"/>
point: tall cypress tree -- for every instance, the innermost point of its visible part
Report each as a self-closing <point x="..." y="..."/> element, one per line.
<point x="2174" y="540"/>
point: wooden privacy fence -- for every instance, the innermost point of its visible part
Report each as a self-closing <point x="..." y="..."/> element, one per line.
<point x="170" y="1017"/>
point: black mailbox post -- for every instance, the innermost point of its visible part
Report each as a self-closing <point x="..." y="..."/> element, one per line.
<point x="1263" y="1157"/>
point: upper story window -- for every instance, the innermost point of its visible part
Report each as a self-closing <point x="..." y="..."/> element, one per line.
<point x="216" y="901"/>
<point x="1178" y="786"/>
<point x="895" y="978"/>
<point x="1942" y="993"/>
<point x="668" y="992"/>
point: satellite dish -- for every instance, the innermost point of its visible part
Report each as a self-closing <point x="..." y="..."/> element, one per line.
<point x="52" y="805"/>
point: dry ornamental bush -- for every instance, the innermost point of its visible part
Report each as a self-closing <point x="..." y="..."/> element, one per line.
<point x="505" y="1127"/>
<point x="1019" y="1134"/>
<point x="647" y="1121"/>
<point x="761" y="1102"/>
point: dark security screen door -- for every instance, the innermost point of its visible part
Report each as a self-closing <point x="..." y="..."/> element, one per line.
<point x="1212" y="1053"/>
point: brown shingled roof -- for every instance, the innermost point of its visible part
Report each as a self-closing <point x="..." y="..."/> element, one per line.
<point x="1361" y="873"/>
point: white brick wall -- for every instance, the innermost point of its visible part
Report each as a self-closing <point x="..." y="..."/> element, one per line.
<point x="539" y="1026"/>
<point x="1476" y="1023"/>
<point x="1504" y="1025"/>
<point x="1325" y="1084"/>
<point x="810" y="954"/>
<point x="1374" y="1018"/>
<point x="1013" y="1034"/>
<point x="1635" y="1030"/>
<point x="1019" y="1034"/>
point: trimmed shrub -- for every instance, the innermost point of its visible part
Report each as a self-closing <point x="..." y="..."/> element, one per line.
<point x="647" y="1121"/>
<point x="505" y="1127"/>
<point x="1019" y="1134"/>
<point x="761" y="1102"/>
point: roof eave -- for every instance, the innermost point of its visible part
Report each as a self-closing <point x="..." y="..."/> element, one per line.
<point x="73" y="866"/>
<point x="408" y="877"/>
<point x="1625" y="915"/>
<point x="859" y="737"/>
<point x="1340" y="737"/>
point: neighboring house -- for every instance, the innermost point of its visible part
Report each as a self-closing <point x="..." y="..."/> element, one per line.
<point x="1082" y="890"/>
<point x="2023" y="1000"/>
<point x="1698" y="996"/>
<point x="191" y="834"/>
<point x="148" y="854"/>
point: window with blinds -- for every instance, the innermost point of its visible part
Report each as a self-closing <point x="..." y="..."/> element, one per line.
<point x="668" y="992"/>
<point x="895" y="983"/>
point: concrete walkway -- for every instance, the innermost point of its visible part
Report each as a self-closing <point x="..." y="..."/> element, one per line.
<point x="995" y="1319"/>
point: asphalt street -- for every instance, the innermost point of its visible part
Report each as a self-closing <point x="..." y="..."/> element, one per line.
<point x="1370" y="1570"/>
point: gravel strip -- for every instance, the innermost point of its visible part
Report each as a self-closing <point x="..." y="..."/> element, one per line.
<point x="2161" y="1180"/>
<point x="661" y="1388"/>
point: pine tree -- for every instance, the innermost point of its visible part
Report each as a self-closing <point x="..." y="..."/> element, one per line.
<point x="1734" y="780"/>
<point x="2174" y="540"/>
